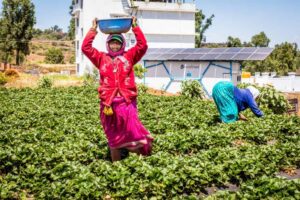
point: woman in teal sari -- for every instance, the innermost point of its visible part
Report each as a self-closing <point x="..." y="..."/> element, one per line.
<point x="230" y="101"/>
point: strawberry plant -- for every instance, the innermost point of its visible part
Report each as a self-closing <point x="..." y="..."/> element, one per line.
<point x="52" y="146"/>
<point x="192" y="88"/>
<point x="271" y="98"/>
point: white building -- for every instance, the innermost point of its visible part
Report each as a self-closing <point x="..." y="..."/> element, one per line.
<point x="289" y="83"/>
<point x="165" y="23"/>
<point x="168" y="67"/>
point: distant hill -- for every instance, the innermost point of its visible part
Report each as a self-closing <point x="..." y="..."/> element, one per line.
<point x="39" y="48"/>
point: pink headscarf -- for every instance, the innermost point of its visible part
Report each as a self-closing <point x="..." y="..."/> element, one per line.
<point x="110" y="52"/>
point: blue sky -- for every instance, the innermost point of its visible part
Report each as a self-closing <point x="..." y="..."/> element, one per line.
<point x="279" y="19"/>
<point x="51" y="12"/>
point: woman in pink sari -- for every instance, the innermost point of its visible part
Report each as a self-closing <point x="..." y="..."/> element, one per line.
<point x="118" y="92"/>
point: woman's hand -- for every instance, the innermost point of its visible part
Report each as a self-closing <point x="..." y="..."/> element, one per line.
<point x="95" y="24"/>
<point x="134" y="22"/>
<point x="242" y="117"/>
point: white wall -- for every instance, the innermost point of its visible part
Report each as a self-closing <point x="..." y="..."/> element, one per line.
<point x="164" y="24"/>
<point x="284" y="84"/>
<point x="157" y="77"/>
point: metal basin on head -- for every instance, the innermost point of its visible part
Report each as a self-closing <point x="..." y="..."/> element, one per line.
<point x="117" y="25"/>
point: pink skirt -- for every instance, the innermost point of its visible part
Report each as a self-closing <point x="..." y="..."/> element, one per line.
<point x="124" y="129"/>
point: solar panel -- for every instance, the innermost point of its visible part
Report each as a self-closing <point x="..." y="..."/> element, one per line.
<point x="179" y="56"/>
<point x="176" y="50"/>
<point x="210" y="56"/>
<point x="203" y="50"/>
<point x="242" y="56"/>
<point x="218" y="50"/>
<point x="194" y="56"/>
<point x="164" y="56"/>
<point x="226" y="56"/>
<point x="258" y="56"/>
<point x="207" y="54"/>
<point x="248" y="50"/>
<point x="189" y="51"/>
<point x="264" y="50"/>
<point x="151" y="56"/>
<point x="233" y="50"/>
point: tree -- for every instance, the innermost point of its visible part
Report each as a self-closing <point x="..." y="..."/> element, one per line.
<point x="37" y="32"/>
<point x="283" y="59"/>
<point x="57" y="29"/>
<point x="54" y="33"/>
<point x="71" y="31"/>
<point x="297" y="60"/>
<point x="6" y="44"/>
<point x="18" y="19"/>
<point x="54" y="56"/>
<point x="201" y="25"/>
<point x="233" y="42"/>
<point x="260" y="40"/>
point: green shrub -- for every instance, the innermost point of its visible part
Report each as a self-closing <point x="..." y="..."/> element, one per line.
<point x="45" y="82"/>
<point x="139" y="71"/>
<point x="54" y="56"/>
<point x="192" y="89"/>
<point x="12" y="73"/>
<point x="142" y="88"/>
<point x="72" y="59"/>
<point x="271" y="98"/>
<point x="90" y="79"/>
<point x="3" y="79"/>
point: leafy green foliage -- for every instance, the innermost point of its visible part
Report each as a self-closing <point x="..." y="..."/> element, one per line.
<point x="233" y="42"/>
<point x="142" y="89"/>
<point x="192" y="89"/>
<point x="3" y="78"/>
<point x="285" y="57"/>
<point x="139" y="71"/>
<point x="71" y="28"/>
<point x="260" y="40"/>
<point x="45" y="82"/>
<point x="263" y="188"/>
<point x="271" y="98"/>
<point x="18" y="19"/>
<point x="53" y="147"/>
<point x="91" y="79"/>
<point x="282" y="60"/>
<point x="54" y="56"/>
<point x="52" y="33"/>
<point x="72" y="59"/>
<point x="201" y="26"/>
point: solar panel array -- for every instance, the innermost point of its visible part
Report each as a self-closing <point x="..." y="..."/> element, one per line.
<point x="207" y="54"/>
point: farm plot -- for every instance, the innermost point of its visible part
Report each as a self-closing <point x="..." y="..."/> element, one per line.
<point x="52" y="147"/>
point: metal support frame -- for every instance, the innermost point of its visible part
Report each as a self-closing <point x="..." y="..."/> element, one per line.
<point x="207" y="68"/>
<point x="165" y="67"/>
<point x="172" y="79"/>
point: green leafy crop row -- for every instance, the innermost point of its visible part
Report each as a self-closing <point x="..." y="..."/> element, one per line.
<point x="52" y="146"/>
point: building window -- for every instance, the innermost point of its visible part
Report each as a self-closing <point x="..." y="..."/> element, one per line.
<point x="77" y="22"/>
<point x="77" y="68"/>
<point x="77" y="44"/>
<point x="81" y="32"/>
<point x="81" y="5"/>
<point x="77" y="48"/>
